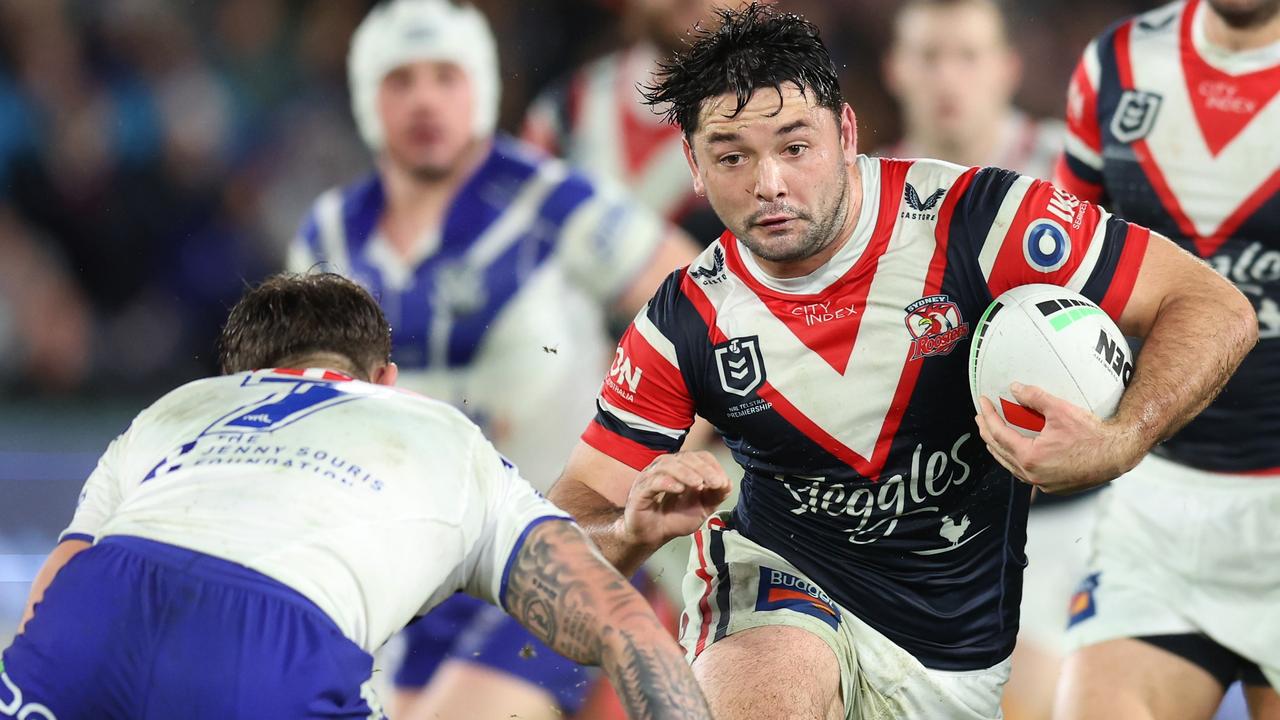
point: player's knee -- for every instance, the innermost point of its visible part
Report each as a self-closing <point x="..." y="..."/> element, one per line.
<point x="753" y="674"/>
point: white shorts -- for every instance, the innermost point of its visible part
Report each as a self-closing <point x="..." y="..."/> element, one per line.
<point x="733" y="584"/>
<point x="1058" y="542"/>
<point x="1181" y="551"/>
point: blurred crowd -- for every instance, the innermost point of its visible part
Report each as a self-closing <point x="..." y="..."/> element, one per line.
<point x="156" y="155"/>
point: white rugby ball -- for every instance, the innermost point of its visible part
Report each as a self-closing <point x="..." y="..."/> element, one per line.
<point x="1054" y="338"/>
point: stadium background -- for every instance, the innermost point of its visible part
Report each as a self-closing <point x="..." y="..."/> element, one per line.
<point x="156" y="155"/>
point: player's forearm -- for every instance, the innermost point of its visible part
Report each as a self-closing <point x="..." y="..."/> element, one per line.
<point x="563" y="591"/>
<point x="1192" y="349"/>
<point x="649" y="674"/>
<point x="604" y="523"/>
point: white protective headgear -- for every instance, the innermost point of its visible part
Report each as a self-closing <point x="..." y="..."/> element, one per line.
<point x="405" y="31"/>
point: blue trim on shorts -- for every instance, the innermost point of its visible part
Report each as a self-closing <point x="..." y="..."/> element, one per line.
<point x="515" y="550"/>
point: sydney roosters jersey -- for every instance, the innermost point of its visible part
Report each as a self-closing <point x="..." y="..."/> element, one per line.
<point x="1180" y="136"/>
<point x="844" y="396"/>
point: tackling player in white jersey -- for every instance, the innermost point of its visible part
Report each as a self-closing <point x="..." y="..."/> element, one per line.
<point x="497" y="267"/>
<point x="954" y="71"/>
<point x="251" y="538"/>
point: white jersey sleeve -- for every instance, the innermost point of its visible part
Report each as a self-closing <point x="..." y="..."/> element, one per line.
<point x="512" y="509"/>
<point x="101" y="494"/>
<point x="609" y="241"/>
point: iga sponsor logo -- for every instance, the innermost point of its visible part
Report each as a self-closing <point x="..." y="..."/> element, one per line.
<point x="935" y="326"/>
<point x="13" y="704"/>
<point x="621" y="374"/>
<point x="1046" y="246"/>
<point x="780" y="590"/>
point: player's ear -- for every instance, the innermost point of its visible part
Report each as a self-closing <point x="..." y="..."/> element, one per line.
<point x="385" y="374"/>
<point x="698" y="186"/>
<point x="849" y="134"/>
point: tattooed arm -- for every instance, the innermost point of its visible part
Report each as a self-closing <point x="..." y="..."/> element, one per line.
<point x="562" y="590"/>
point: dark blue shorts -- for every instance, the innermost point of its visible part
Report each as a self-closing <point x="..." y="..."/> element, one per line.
<point x="471" y="630"/>
<point x="132" y="628"/>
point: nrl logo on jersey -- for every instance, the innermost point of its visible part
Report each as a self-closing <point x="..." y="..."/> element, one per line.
<point x="935" y="326"/>
<point x="1135" y="115"/>
<point x="740" y="365"/>
<point x="715" y="273"/>
<point x="922" y="207"/>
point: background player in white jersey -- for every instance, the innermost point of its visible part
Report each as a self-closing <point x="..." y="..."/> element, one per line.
<point x="251" y="538"/>
<point x="954" y="71"/>
<point x="596" y="120"/>
<point x="1173" y="118"/>
<point x="872" y="566"/>
<point x="497" y="267"/>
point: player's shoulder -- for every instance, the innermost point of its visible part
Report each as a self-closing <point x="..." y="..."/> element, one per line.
<point x="518" y="160"/>
<point x="1159" y="22"/>
<point x="917" y="173"/>
<point x="334" y="211"/>
<point x="679" y="304"/>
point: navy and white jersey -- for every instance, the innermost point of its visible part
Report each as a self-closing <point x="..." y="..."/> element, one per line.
<point x="844" y="395"/>
<point x="502" y="311"/>
<point x="1180" y="136"/>
<point x="374" y="503"/>
<point x="595" y="120"/>
<point x="1027" y="146"/>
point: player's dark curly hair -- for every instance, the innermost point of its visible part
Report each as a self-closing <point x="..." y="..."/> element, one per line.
<point x="752" y="48"/>
<point x="291" y="316"/>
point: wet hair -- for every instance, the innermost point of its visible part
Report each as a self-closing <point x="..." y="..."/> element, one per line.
<point x="752" y="48"/>
<point x="290" y="316"/>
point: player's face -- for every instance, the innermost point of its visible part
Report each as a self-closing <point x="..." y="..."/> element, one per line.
<point x="427" y="109"/>
<point x="951" y="70"/>
<point x="1245" y="13"/>
<point x="777" y="173"/>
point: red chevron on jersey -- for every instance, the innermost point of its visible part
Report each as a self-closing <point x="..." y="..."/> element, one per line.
<point x="1224" y="104"/>
<point x="1210" y="171"/>
<point x="817" y="398"/>
<point x="827" y="322"/>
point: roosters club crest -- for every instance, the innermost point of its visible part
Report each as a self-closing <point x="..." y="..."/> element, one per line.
<point x="935" y="326"/>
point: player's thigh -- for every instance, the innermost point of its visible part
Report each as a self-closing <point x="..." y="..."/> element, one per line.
<point x="1129" y="679"/>
<point x="1264" y="702"/>
<point x="1033" y="680"/>
<point x="461" y="689"/>
<point x="773" y="672"/>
